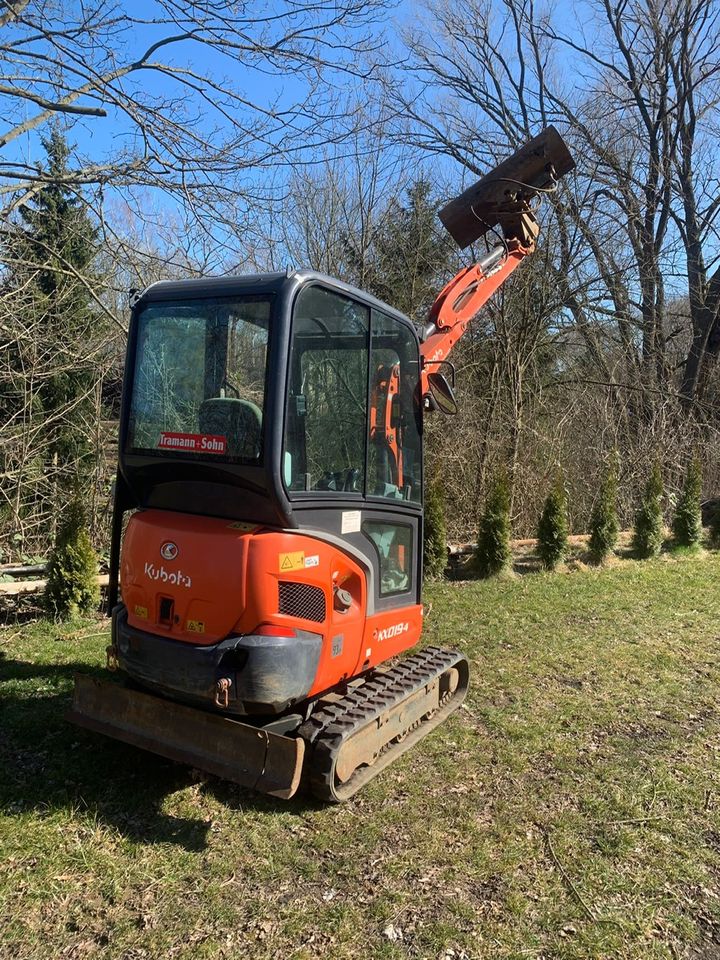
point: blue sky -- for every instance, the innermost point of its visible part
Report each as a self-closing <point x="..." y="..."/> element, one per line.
<point x="98" y="137"/>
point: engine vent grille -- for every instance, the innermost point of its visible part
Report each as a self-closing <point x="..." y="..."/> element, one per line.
<point x="301" y="600"/>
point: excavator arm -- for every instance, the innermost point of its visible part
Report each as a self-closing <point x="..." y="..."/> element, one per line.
<point x="501" y="202"/>
<point x="462" y="299"/>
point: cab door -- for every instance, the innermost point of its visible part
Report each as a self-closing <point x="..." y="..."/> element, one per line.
<point x="352" y="458"/>
<point x="392" y="520"/>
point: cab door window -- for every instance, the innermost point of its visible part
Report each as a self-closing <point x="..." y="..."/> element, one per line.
<point x="394" y="450"/>
<point x="326" y="423"/>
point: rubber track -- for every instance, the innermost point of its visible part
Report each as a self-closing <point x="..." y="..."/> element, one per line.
<point x="331" y="726"/>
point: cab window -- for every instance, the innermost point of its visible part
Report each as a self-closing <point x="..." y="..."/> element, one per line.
<point x="353" y="423"/>
<point x="199" y="379"/>
<point x="394" y="451"/>
<point x="326" y="422"/>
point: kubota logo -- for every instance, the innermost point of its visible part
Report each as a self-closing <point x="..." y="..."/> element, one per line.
<point x="394" y="631"/>
<point x="160" y="573"/>
<point x="169" y="550"/>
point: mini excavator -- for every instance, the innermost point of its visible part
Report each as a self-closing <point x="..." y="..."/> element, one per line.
<point x="267" y="531"/>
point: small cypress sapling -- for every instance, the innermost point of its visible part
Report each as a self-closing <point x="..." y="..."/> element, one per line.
<point x="687" y="522"/>
<point x="553" y="528"/>
<point x="649" y="530"/>
<point x="72" y="586"/>
<point x="435" y="554"/>
<point x="493" y="549"/>
<point x="604" y="524"/>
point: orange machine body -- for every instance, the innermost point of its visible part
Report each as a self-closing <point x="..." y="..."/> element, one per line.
<point x="201" y="581"/>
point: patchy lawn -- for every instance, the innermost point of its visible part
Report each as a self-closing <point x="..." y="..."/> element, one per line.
<point x="571" y="811"/>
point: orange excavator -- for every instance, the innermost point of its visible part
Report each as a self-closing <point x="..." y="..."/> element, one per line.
<point x="267" y="531"/>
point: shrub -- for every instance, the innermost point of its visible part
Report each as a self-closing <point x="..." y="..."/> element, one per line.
<point x="435" y="553"/>
<point x="687" y="522"/>
<point x="72" y="586"/>
<point x="649" y="530"/>
<point x="493" y="549"/>
<point x="604" y="524"/>
<point x="553" y="528"/>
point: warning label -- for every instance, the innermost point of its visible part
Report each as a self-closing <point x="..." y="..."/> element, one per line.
<point x="351" y="521"/>
<point x="192" y="442"/>
<point x="242" y="526"/>
<point x="195" y="626"/>
<point x="291" y="561"/>
<point x="298" y="561"/>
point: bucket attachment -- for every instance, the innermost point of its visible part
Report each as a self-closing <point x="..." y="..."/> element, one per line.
<point x="502" y="198"/>
<point x="248" y="755"/>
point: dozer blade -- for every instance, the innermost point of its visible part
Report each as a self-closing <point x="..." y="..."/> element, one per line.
<point x="250" y="756"/>
<point x="500" y="197"/>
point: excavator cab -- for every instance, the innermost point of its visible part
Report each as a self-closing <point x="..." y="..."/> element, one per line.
<point x="286" y="402"/>
<point x="267" y="530"/>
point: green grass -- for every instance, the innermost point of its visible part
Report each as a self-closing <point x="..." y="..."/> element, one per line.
<point x="571" y="811"/>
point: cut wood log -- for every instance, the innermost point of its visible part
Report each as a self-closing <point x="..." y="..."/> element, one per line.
<point x="22" y="570"/>
<point x="462" y="549"/>
<point x="22" y="587"/>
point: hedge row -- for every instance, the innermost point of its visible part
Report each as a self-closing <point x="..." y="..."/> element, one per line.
<point x="649" y="533"/>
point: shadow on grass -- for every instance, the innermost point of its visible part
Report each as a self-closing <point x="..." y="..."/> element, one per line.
<point x="49" y="764"/>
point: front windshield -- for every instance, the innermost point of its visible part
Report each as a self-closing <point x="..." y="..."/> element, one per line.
<point x="199" y="379"/>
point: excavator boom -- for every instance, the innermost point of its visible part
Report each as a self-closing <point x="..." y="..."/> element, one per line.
<point x="463" y="298"/>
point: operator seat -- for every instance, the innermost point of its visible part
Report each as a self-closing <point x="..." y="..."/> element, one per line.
<point x="238" y="420"/>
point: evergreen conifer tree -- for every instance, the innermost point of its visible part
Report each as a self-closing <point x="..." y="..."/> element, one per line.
<point x="411" y="254"/>
<point x="72" y="586"/>
<point x="493" y="549"/>
<point x="49" y="253"/>
<point x="687" y="522"/>
<point x="59" y="244"/>
<point x="604" y="524"/>
<point x="553" y="528"/>
<point x="435" y="554"/>
<point x="649" y="529"/>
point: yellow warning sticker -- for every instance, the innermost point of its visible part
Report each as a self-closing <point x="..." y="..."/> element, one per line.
<point x="291" y="561"/>
<point x="141" y="612"/>
<point x="242" y="526"/>
<point x="195" y="626"/>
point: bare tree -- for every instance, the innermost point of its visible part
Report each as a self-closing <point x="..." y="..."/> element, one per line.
<point x="194" y="95"/>
<point x="333" y="210"/>
<point x="635" y="89"/>
<point x="181" y="111"/>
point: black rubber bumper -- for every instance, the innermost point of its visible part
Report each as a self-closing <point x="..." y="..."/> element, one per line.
<point x="266" y="674"/>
